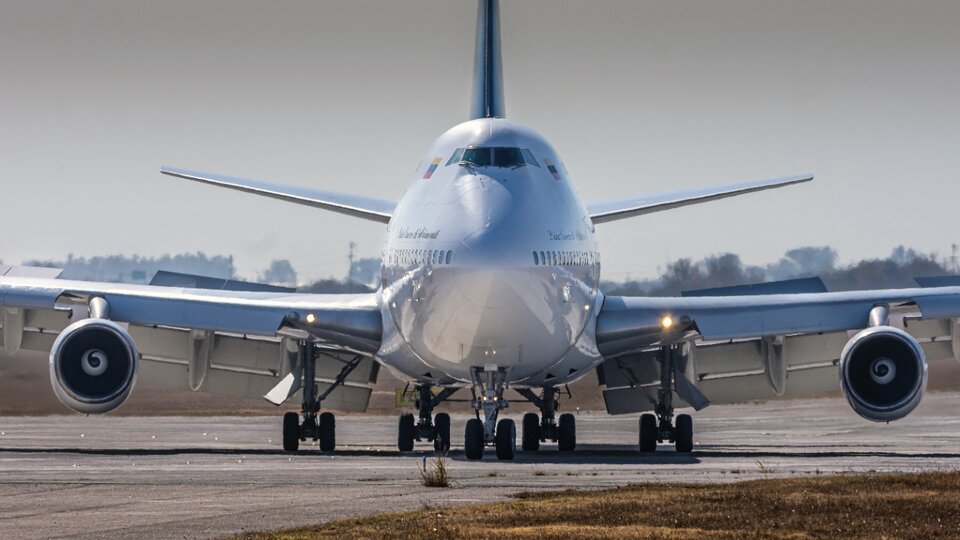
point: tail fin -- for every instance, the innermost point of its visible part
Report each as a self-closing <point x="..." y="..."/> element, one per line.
<point x="487" y="99"/>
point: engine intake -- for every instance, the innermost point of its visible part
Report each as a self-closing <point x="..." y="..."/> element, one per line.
<point x="93" y="366"/>
<point x="883" y="373"/>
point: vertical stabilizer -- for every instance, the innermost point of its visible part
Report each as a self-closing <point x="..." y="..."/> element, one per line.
<point x="487" y="101"/>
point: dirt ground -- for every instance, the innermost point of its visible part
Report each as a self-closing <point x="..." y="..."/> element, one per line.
<point x="25" y="390"/>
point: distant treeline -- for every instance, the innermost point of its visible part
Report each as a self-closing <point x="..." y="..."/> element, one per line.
<point x="897" y="270"/>
<point x="137" y="269"/>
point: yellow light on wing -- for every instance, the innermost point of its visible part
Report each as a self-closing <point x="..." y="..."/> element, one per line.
<point x="666" y="322"/>
<point x="311" y="318"/>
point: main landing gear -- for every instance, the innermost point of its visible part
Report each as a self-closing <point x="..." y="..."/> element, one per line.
<point x="487" y="391"/>
<point x="316" y="426"/>
<point x="660" y="427"/>
<point x="543" y="428"/>
<point x="437" y="431"/>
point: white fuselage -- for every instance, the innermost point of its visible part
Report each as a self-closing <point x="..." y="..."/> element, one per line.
<point x="490" y="265"/>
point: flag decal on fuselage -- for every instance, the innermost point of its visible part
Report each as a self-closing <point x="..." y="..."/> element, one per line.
<point x="553" y="170"/>
<point x="432" y="168"/>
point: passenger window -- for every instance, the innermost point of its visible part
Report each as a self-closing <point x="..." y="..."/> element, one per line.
<point x="449" y="254"/>
<point x="477" y="156"/>
<point x="542" y="258"/>
<point x="536" y="260"/>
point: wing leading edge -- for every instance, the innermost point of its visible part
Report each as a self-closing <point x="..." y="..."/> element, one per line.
<point x="351" y="322"/>
<point x="352" y="205"/>
<point x="626" y="208"/>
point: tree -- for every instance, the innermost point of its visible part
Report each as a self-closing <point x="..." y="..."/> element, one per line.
<point x="281" y="272"/>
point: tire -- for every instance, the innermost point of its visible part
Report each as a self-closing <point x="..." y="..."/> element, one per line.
<point x="441" y="440"/>
<point x="648" y="433"/>
<point x="506" y="439"/>
<point x="531" y="432"/>
<point x="406" y="433"/>
<point x="473" y="439"/>
<point x="328" y="432"/>
<point x="684" y="433"/>
<point x="291" y="431"/>
<point x="567" y="433"/>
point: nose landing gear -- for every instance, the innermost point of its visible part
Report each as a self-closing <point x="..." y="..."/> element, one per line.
<point x="488" y="387"/>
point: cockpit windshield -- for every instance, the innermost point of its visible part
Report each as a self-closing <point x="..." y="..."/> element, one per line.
<point x="498" y="156"/>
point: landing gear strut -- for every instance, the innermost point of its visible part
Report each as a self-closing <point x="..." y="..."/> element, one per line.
<point x="488" y="387"/>
<point x="321" y="427"/>
<point x="546" y="427"/>
<point x="660" y="427"/>
<point x="437" y="430"/>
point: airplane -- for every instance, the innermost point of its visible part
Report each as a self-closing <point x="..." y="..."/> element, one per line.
<point x="489" y="281"/>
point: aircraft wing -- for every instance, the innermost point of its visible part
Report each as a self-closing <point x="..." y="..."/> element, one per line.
<point x="352" y="205"/>
<point x="738" y="348"/>
<point x="226" y="342"/>
<point x="603" y="212"/>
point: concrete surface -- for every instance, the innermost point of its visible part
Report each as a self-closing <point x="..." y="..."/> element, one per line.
<point x="129" y="477"/>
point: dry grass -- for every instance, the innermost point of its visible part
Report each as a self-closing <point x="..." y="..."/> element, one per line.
<point x="852" y="506"/>
<point x="436" y="474"/>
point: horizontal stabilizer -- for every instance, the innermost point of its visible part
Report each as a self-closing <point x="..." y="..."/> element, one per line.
<point x="938" y="281"/>
<point x="626" y="208"/>
<point x="190" y="281"/>
<point x="30" y="271"/>
<point x="789" y="286"/>
<point x="351" y="205"/>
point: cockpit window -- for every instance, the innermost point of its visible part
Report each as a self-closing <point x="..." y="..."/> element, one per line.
<point x="456" y="157"/>
<point x="528" y="157"/>
<point x="499" y="156"/>
<point x="480" y="157"/>
<point x="507" y="157"/>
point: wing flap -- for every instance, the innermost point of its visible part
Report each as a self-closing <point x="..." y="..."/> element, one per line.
<point x="603" y="212"/>
<point x="352" y="205"/>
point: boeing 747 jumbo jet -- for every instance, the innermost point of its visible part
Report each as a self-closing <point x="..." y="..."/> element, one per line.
<point x="489" y="282"/>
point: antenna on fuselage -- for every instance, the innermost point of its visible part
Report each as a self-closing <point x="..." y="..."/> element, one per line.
<point x="487" y="100"/>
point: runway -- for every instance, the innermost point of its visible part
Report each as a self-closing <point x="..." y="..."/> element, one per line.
<point x="196" y="477"/>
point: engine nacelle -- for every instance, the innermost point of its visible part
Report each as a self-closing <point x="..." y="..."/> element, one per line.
<point x="93" y="366"/>
<point x="883" y="373"/>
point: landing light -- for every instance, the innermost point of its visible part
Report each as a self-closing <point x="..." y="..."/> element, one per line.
<point x="311" y="318"/>
<point x="666" y="322"/>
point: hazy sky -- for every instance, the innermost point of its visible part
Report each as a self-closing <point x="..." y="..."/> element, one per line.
<point x="638" y="97"/>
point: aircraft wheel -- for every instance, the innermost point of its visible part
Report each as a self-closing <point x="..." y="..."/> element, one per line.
<point x="441" y="440"/>
<point x="567" y="433"/>
<point x="406" y="433"/>
<point x="291" y="431"/>
<point x="473" y="439"/>
<point x="328" y="432"/>
<point x="506" y="439"/>
<point x="531" y="432"/>
<point x="683" y="433"/>
<point x="648" y="433"/>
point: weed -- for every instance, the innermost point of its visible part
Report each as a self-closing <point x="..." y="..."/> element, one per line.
<point x="436" y="474"/>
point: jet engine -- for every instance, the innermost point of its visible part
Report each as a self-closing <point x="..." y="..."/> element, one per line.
<point x="93" y="366"/>
<point x="883" y="373"/>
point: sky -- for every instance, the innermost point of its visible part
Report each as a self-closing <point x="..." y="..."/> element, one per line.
<point x="638" y="97"/>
